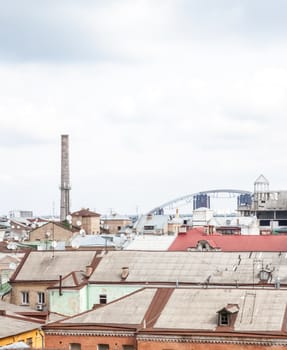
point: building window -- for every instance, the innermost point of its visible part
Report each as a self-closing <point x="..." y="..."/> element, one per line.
<point x="25" y="298"/>
<point x="148" y="227"/>
<point x="75" y="346"/>
<point x="103" y="298"/>
<point x="29" y="341"/>
<point x="103" y="347"/>
<point x="223" y="319"/>
<point x="128" y="347"/>
<point x="41" y="298"/>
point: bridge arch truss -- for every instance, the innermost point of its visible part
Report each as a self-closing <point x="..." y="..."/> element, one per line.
<point x="183" y="200"/>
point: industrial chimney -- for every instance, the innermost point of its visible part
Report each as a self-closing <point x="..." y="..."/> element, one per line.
<point x="65" y="178"/>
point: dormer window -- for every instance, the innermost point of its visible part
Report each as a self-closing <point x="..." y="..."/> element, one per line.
<point x="223" y="318"/>
<point x="227" y="315"/>
<point x="264" y="275"/>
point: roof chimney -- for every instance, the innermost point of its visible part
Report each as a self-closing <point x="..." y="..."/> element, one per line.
<point x="65" y="178"/>
<point x="125" y="272"/>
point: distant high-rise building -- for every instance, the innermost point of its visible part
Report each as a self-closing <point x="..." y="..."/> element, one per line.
<point x="201" y="201"/>
<point x="20" y="214"/>
<point x="65" y="178"/>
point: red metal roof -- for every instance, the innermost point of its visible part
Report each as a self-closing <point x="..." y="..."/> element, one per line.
<point x="230" y="243"/>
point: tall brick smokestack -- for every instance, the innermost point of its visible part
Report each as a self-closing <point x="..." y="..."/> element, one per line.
<point x="65" y="178"/>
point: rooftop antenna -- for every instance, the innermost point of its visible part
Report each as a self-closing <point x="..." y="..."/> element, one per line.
<point x="65" y="178"/>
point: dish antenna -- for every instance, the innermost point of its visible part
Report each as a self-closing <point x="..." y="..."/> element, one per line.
<point x="79" y="222"/>
<point x="82" y="232"/>
<point x="12" y="246"/>
<point x="12" y="266"/>
<point x="75" y="244"/>
<point x="69" y="218"/>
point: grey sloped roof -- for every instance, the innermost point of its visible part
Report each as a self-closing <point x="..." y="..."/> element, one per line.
<point x="259" y="310"/>
<point x="129" y="310"/>
<point x="158" y="221"/>
<point x="190" y="267"/>
<point x="192" y="309"/>
<point x="48" y="265"/>
<point x="18" y="345"/>
<point x="12" y="326"/>
<point x="14" y="309"/>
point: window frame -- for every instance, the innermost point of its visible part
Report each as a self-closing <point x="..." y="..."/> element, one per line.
<point x="103" y="299"/>
<point x="25" y="298"/>
<point x="103" y="347"/>
<point x="41" y="298"/>
<point x="224" y="318"/>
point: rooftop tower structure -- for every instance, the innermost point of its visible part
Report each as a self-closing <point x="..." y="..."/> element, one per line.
<point x="65" y="178"/>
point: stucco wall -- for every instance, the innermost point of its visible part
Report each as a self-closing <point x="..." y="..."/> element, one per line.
<point x="54" y="231"/>
<point x="34" y="336"/>
<point x="113" y="292"/>
<point x="72" y="302"/>
<point x="67" y="304"/>
<point x="32" y="289"/>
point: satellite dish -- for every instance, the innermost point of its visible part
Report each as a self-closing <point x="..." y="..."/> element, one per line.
<point x="48" y="234"/>
<point x="69" y="218"/>
<point x="54" y="244"/>
<point x="79" y="222"/>
<point x="12" y="266"/>
<point x="75" y="244"/>
<point x="12" y="246"/>
<point x="82" y="232"/>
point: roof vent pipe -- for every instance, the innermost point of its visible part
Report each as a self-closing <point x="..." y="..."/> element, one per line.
<point x="125" y="272"/>
<point x="89" y="270"/>
<point x="277" y="283"/>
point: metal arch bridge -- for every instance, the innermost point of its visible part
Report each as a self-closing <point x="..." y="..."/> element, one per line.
<point x="189" y="198"/>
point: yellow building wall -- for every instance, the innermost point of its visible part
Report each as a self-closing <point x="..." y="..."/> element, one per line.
<point x="34" y="338"/>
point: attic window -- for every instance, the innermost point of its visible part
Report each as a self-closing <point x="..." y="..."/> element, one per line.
<point x="148" y="227"/>
<point x="227" y="315"/>
<point x="103" y="298"/>
<point x="223" y="318"/>
<point x="264" y="275"/>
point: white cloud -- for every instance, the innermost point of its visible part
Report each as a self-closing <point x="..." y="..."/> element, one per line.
<point x="160" y="99"/>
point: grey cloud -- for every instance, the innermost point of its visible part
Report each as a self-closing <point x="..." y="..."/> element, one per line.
<point x="45" y="31"/>
<point x="11" y="138"/>
<point x="259" y="20"/>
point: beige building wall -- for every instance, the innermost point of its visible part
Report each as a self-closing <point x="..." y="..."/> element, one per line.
<point x="91" y="224"/>
<point x="113" y="226"/>
<point x="51" y="231"/>
<point x="32" y="289"/>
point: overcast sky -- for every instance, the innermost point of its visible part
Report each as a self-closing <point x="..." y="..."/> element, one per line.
<point x="160" y="98"/>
